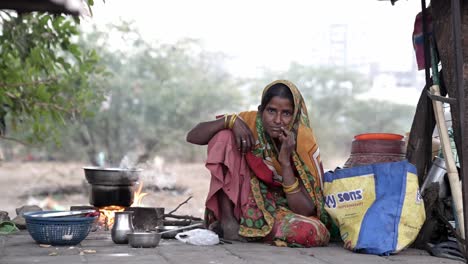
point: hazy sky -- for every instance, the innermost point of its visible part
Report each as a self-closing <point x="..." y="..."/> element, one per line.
<point x="268" y="33"/>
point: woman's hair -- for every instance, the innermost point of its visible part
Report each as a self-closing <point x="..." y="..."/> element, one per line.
<point x="280" y="90"/>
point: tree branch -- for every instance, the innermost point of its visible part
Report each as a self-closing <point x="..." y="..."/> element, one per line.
<point x="15" y="140"/>
<point x="56" y="107"/>
<point x="184" y="202"/>
<point x="15" y="85"/>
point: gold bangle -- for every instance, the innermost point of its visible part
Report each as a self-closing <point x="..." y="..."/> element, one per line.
<point x="296" y="181"/>
<point x="225" y="121"/>
<point x="232" y="121"/>
<point x="289" y="188"/>
<point x="293" y="191"/>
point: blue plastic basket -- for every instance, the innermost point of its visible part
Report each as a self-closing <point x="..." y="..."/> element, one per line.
<point x="57" y="231"/>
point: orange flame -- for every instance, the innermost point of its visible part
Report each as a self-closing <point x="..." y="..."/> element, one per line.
<point x="138" y="197"/>
<point x="106" y="218"/>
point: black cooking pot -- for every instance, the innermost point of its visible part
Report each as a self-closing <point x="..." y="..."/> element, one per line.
<point x="111" y="186"/>
<point x="106" y="195"/>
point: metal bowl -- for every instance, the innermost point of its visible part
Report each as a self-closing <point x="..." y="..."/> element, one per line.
<point x="111" y="176"/>
<point x="143" y="239"/>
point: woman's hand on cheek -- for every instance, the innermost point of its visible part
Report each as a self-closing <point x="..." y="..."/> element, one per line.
<point x="288" y="144"/>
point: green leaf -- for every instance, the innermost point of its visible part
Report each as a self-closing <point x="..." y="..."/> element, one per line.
<point x="57" y="21"/>
<point x="75" y="50"/>
<point x="44" y="20"/>
<point x="42" y="94"/>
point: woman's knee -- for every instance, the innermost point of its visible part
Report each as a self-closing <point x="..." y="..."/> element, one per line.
<point x="224" y="135"/>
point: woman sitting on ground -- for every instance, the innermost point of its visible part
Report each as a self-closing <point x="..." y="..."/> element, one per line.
<point x="266" y="172"/>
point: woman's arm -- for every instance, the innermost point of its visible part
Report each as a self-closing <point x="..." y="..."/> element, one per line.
<point x="202" y="133"/>
<point x="298" y="199"/>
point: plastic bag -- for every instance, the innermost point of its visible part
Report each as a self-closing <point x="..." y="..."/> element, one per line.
<point x="378" y="207"/>
<point x="199" y="237"/>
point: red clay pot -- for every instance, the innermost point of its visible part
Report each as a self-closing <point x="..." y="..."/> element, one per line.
<point x="369" y="151"/>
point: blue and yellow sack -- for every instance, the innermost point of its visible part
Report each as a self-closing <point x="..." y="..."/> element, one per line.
<point x="378" y="207"/>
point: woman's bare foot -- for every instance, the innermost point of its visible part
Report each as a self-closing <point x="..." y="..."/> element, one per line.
<point x="231" y="230"/>
<point x="228" y="223"/>
<point x="216" y="227"/>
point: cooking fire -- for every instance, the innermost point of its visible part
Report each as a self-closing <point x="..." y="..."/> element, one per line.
<point x="107" y="213"/>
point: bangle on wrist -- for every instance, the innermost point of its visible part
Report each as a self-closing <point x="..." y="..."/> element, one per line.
<point x="292" y="187"/>
<point x="293" y="191"/>
<point x="226" y="121"/>
<point x="232" y="120"/>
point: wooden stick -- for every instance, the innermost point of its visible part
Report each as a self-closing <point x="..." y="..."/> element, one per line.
<point x="185" y="217"/>
<point x="180" y="222"/>
<point x="184" y="202"/>
<point x="452" y="171"/>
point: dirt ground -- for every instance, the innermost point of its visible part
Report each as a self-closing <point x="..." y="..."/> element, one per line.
<point x="167" y="185"/>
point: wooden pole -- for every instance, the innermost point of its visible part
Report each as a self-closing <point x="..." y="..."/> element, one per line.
<point x="452" y="171"/>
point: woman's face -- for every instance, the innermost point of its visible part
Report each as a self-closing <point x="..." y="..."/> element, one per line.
<point x="278" y="113"/>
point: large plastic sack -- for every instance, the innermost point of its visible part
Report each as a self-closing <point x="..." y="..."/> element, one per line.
<point x="199" y="237"/>
<point x="378" y="208"/>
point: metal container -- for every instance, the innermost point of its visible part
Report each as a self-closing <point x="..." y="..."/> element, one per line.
<point x="151" y="239"/>
<point x="123" y="226"/>
<point x="436" y="174"/>
<point x="111" y="186"/>
<point x="143" y="239"/>
<point x="111" y="176"/>
<point x="147" y="218"/>
<point x="107" y="195"/>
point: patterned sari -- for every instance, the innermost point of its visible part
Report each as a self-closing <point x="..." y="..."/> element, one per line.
<point x="264" y="213"/>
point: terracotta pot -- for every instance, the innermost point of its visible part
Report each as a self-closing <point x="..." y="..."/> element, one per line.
<point x="365" y="152"/>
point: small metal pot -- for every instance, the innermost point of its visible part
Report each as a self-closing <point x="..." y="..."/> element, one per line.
<point x="151" y="239"/>
<point x="143" y="239"/>
<point x="123" y="226"/>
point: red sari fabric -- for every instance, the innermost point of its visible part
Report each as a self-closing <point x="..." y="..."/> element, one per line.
<point x="223" y="155"/>
<point x="288" y="228"/>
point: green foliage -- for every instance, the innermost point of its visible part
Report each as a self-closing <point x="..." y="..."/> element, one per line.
<point x="379" y="116"/>
<point x="157" y="93"/>
<point x="45" y="77"/>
